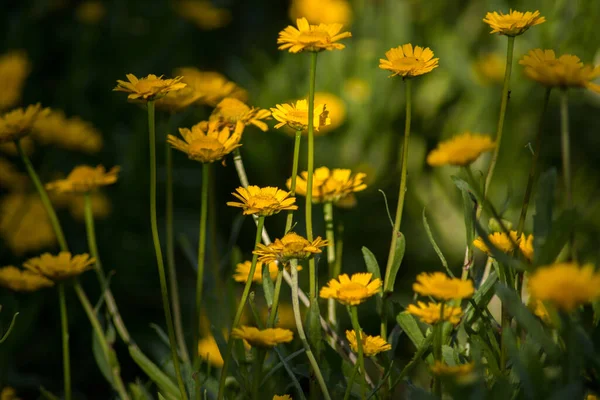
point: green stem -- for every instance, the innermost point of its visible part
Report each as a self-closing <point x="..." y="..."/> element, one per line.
<point x="503" y="106"/>
<point x="240" y="310"/>
<point x="64" y="323"/>
<point x="260" y="356"/>
<point x="158" y="252"/>
<point x="310" y="168"/>
<point x="566" y="157"/>
<point x="301" y="334"/>
<point x="437" y="349"/>
<point x="276" y="294"/>
<point x="290" y="216"/>
<point x="400" y="206"/>
<point x="329" y="233"/>
<point x="201" y="253"/>
<point x="359" y="344"/>
<point x="351" y="381"/>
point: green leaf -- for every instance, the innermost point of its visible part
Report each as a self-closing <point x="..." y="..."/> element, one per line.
<point x="315" y="333"/>
<point x="558" y="237"/>
<point x="510" y="342"/>
<point x="468" y="213"/>
<point x="373" y="268"/>
<point x="139" y="392"/>
<point x="267" y="284"/>
<point x="10" y="327"/>
<point x="48" y="395"/>
<point x="482" y="349"/>
<point x="542" y="219"/>
<point x="101" y="360"/>
<point x="436" y="247"/>
<point x="409" y="325"/>
<point x="482" y="296"/>
<point x="164" y="383"/>
<point x="398" y="256"/>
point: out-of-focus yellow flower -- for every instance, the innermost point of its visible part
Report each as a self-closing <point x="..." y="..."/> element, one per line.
<point x="19" y="280"/>
<point x="208" y="142"/>
<point x="90" y="12"/>
<point x="311" y="37"/>
<point x="203" y="14"/>
<point x="178" y="100"/>
<point x="243" y="269"/>
<point x="17" y="123"/>
<point x="335" y="107"/>
<point x="539" y="309"/>
<point x="285" y="316"/>
<point x="406" y="62"/>
<point x="431" y="313"/>
<point x="351" y="291"/>
<point x="10" y="177"/>
<point x="322" y="11"/>
<point x="263" y="201"/>
<point x="11" y="149"/>
<point x="358" y="90"/>
<point x="371" y="345"/>
<point x="565" y="285"/>
<point x="212" y="86"/>
<point x="336" y="185"/>
<point x="460" y="150"/>
<point x="148" y="88"/>
<point x="439" y="368"/>
<point x="61" y="266"/>
<point x="72" y="133"/>
<point x="101" y="206"/>
<point x="514" y="23"/>
<point x="526" y="246"/>
<point x="501" y="241"/>
<point x="269" y="337"/>
<point x="565" y="71"/>
<point x="291" y="246"/>
<point x="230" y="111"/>
<point x="84" y="178"/>
<point x="14" y="69"/>
<point x="442" y="287"/>
<point x="489" y="68"/>
<point x="282" y="397"/>
<point x="209" y="351"/>
<point x="9" y="393"/>
<point x="295" y="115"/>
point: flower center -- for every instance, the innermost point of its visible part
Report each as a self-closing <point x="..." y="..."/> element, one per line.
<point x="148" y="85"/>
<point x="232" y="110"/>
<point x="82" y="174"/>
<point x="204" y="144"/>
<point x="298" y="116"/>
<point x="263" y="201"/>
<point x="406" y="62"/>
<point x="313" y="37"/>
<point x="352" y="290"/>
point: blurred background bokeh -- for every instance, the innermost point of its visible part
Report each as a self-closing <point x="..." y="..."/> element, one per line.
<point x="68" y="54"/>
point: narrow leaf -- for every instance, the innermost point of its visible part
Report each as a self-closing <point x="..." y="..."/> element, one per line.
<point x="409" y="325"/>
<point x="164" y="383"/>
<point x="373" y="268"/>
<point x="315" y="333"/>
<point x="542" y="219"/>
<point x="398" y="256"/>
<point x="267" y="284"/>
<point x="435" y="246"/>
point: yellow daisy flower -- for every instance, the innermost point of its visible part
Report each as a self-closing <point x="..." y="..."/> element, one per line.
<point x="207" y="142"/>
<point x="285" y="316"/>
<point x="439" y="368"/>
<point x="282" y="397"/>
<point x="263" y="201"/>
<point x="526" y="246"/>
<point x="334" y="185"/>
<point x="291" y="246"/>
<point x="212" y="86"/>
<point x="17" y="123"/>
<point x="430" y="313"/>
<point x="203" y="14"/>
<point x="243" y="269"/>
<point x="178" y="100"/>
<point x="322" y="11"/>
<point x="442" y="287"/>
<point x="371" y="345"/>
<point x="296" y="115"/>
<point x="61" y="266"/>
<point x="75" y="134"/>
<point x="269" y="337"/>
<point x="148" y="88"/>
<point x="84" y="178"/>
<point x="501" y="241"/>
<point x="406" y="62"/>
<point x="540" y="310"/>
<point x="514" y="23"/>
<point x="351" y="291"/>
<point x="19" y="280"/>
<point x="565" y="71"/>
<point x="230" y="111"/>
<point x="14" y="69"/>
<point x="311" y="37"/>
<point x="10" y="177"/>
<point x="208" y="350"/>
<point x="462" y="149"/>
<point x="565" y="285"/>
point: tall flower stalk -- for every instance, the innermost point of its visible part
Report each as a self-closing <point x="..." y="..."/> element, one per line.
<point x="566" y="158"/>
<point x="201" y="252"/>
<point x="310" y="168"/>
<point x="331" y="257"/>
<point x="353" y="311"/>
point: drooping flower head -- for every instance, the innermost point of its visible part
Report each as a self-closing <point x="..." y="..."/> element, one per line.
<point x="207" y="142"/>
<point x="311" y="37"/>
<point x="336" y="185"/>
<point x="269" y="337"/>
<point x="84" y="179"/>
<point x="431" y="313"/>
<point x="565" y="285"/>
<point x="563" y="72"/>
<point x="371" y="345"/>
<point x="322" y="11"/>
<point x="295" y="115"/>
<point x="230" y="111"/>
<point x="14" y="69"/>
<point x="212" y="86"/>
<point x="148" y="88"/>
<point x="514" y="23"/>
<point x="17" y="123"/>
<point x="263" y="201"/>
<point x="406" y="62"/>
<point x="351" y="291"/>
<point x="209" y="351"/>
<point x="19" y="280"/>
<point x="460" y="150"/>
<point x="61" y="266"/>
<point x="74" y="134"/>
<point x="442" y="287"/>
<point x="291" y="246"/>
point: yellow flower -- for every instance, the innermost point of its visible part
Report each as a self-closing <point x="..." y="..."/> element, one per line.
<point x="442" y="287"/>
<point x="207" y="142"/>
<point x="285" y="316"/>
<point x="336" y="108"/>
<point x="296" y="115"/>
<point x="406" y="62"/>
<point x="269" y="337"/>
<point x="540" y="310"/>
<point x="18" y="123"/>
<point x="371" y="345"/>
<point x="61" y="266"/>
<point x="19" y="280"/>
<point x="209" y="351"/>
<point x="282" y="397"/>
<point x="230" y="111"/>
<point x="9" y="393"/>
<point x="514" y="23"/>
<point x="566" y="71"/>
<point x="501" y="241"/>
<point x="14" y="69"/>
<point x="90" y="12"/>
<point x="178" y="100"/>
<point x="351" y="291"/>
<point x="291" y="246"/>
<point x="430" y="313"/>
<point x="10" y="177"/>
<point x="489" y="68"/>
<point x="263" y="201"/>
<point x="212" y="86"/>
<point x="203" y="13"/>
<point x="148" y="88"/>
<point x="10" y="148"/>
<point x="75" y="134"/>
<point x="243" y="269"/>
<point x="101" y="207"/>
<point x="439" y="368"/>
<point x="311" y="37"/>
<point x="84" y="178"/>
<point x="565" y="285"/>
<point x="357" y="90"/>
<point x="334" y="185"/>
<point x="322" y="11"/>
<point x="460" y="150"/>
<point x="526" y="246"/>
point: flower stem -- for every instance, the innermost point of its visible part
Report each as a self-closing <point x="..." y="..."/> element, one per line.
<point x="64" y="323"/>
<point x="158" y="252"/>
<point x="201" y="252"/>
<point x="400" y="206"/>
<point x="240" y="309"/>
<point x="566" y="157"/>
<point x="310" y="168"/>
<point x="359" y="344"/>
<point x="276" y="294"/>
<point x="437" y="349"/>
<point x="503" y="106"/>
<point x="351" y="381"/>
<point x="329" y="232"/>
<point x="290" y="216"/>
<point x="301" y="334"/>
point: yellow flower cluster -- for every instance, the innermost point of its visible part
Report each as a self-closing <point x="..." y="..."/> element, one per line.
<point x="14" y="69"/>
<point x="460" y="150"/>
<point x="337" y="185"/>
<point x="263" y="201"/>
<point x="75" y="134"/>
<point x="208" y="142"/>
<point x="269" y="337"/>
<point x="351" y="291"/>
<point x="84" y="179"/>
<point x="371" y="345"/>
<point x="501" y="241"/>
<point x="291" y="246"/>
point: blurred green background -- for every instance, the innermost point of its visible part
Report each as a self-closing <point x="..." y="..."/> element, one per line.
<point x="77" y="55"/>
